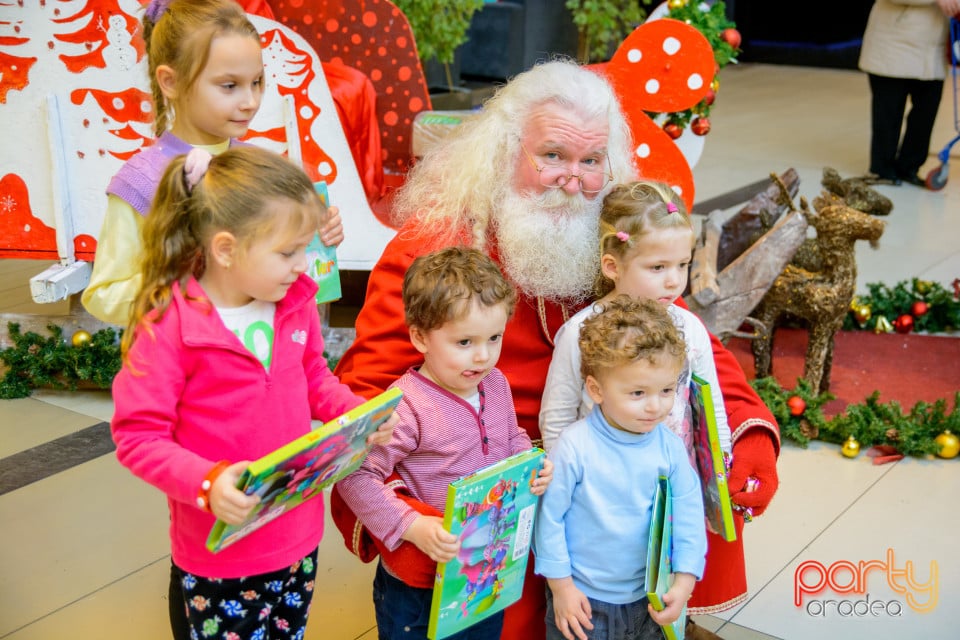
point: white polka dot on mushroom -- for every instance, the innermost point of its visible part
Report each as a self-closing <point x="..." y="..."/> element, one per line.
<point x="634" y="55"/>
<point x="643" y="151"/>
<point x="652" y="86"/>
<point x="695" y="81"/>
<point x="671" y="45"/>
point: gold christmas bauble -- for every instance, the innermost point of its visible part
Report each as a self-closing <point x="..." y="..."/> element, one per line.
<point x="850" y="448"/>
<point x="949" y="444"/>
<point x="676" y="4"/>
<point x="80" y="338"/>
<point x="861" y="312"/>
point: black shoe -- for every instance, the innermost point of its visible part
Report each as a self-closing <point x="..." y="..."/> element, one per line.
<point x="872" y="178"/>
<point x="915" y="180"/>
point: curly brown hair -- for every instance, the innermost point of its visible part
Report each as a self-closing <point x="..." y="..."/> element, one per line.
<point x="626" y="330"/>
<point x="439" y="287"/>
<point x="631" y="211"/>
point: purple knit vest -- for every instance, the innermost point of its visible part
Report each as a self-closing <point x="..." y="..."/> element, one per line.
<point x="137" y="180"/>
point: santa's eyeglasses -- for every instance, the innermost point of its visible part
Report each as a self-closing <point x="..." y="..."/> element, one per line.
<point x="555" y="175"/>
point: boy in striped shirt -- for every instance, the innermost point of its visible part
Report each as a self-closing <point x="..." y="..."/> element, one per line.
<point x="456" y="416"/>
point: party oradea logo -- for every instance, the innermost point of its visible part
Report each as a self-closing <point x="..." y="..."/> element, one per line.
<point x="865" y="588"/>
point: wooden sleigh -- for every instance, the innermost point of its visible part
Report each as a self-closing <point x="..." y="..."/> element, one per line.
<point x="736" y="261"/>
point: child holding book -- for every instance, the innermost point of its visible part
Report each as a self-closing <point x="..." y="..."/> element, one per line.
<point x="206" y="77"/>
<point x="646" y="244"/>
<point x="590" y="541"/>
<point x="222" y="364"/>
<point x="456" y="417"/>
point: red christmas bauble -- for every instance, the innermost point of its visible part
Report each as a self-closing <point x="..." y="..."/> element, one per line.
<point x="731" y="37"/>
<point x="797" y="405"/>
<point x="700" y="126"/>
<point x="919" y="308"/>
<point x="673" y="130"/>
<point x="710" y="97"/>
<point x="903" y="324"/>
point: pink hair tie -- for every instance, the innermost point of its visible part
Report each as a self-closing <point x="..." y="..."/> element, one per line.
<point x="671" y="208"/>
<point x="623" y="236"/>
<point x="195" y="166"/>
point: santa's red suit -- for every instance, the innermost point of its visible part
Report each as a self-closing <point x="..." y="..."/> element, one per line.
<point x="382" y="352"/>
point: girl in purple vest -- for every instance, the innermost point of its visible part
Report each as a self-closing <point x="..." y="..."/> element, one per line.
<point x="206" y="75"/>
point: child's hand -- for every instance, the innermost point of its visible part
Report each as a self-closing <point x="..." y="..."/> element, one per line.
<point x="331" y="233"/>
<point x="226" y="501"/>
<point x="539" y="485"/>
<point x="428" y="534"/>
<point x="674" y="599"/>
<point x="384" y="432"/>
<point x="571" y="609"/>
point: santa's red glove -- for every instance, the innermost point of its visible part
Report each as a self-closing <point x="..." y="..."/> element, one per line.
<point x="753" y="477"/>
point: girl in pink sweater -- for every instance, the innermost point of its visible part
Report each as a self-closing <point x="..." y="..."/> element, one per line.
<point x="223" y="363"/>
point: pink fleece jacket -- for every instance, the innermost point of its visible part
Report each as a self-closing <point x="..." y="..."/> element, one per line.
<point x="191" y="394"/>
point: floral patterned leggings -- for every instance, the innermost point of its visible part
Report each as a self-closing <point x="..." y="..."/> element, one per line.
<point x="269" y="605"/>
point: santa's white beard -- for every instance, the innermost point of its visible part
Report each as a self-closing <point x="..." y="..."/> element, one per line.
<point x="548" y="244"/>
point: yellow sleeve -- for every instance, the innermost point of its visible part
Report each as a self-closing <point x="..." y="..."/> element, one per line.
<point x="116" y="277"/>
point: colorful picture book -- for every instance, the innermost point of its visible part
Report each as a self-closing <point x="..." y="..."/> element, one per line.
<point x="322" y="260"/>
<point x="301" y="469"/>
<point x="659" y="575"/>
<point x="711" y="463"/>
<point x="492" y="512"/>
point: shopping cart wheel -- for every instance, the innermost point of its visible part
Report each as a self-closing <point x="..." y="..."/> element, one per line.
<point x="937" y="178"/>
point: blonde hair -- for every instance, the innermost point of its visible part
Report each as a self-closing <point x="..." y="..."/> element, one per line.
<point x="631" y="211"/>
<point x="440" y="286"/>
<point x="180" y="38"/>
<point x="233" y="195"/>
<point x="457" y="186"/>
<point x="627" y="330"/>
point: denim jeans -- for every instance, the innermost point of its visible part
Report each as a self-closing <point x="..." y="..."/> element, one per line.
<point x="403" y="612"/>
<point x="611" y="621"/>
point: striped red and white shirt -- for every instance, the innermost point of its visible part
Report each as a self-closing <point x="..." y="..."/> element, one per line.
<point x="440" y="438"/>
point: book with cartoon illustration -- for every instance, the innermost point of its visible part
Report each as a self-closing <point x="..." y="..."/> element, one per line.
<point x="301" y="469"/>
<point x="659" y="574"/>
<point x="492" y="513"/>
<point x="322" y="260"/>
<point x="711" y="463"/>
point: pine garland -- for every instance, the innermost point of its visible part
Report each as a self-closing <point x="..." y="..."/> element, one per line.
<point x="883" y="305"/>
<point x="872" y="423"/>
<point x="34" y="361"/>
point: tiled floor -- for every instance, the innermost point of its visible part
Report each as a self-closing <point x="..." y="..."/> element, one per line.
<point x="84" y="552"/>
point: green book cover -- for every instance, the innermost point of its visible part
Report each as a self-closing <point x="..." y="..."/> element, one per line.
<point x="301" y="469"/>
<point x="322" y="260"/>
<point x="492" y="512"/>
<point x="659" y="574"/>
<point x="711" y="465"/>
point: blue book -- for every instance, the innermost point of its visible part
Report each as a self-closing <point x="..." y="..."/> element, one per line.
<point x="659" y="574"/>
<point x="492" y="512"/>
<point x="322" y="260"/>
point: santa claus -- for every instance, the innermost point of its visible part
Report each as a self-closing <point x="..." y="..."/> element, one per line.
<point x="524" y="181"/>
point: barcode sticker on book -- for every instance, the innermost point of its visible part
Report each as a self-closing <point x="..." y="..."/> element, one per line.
<point x="521" y="545"/>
